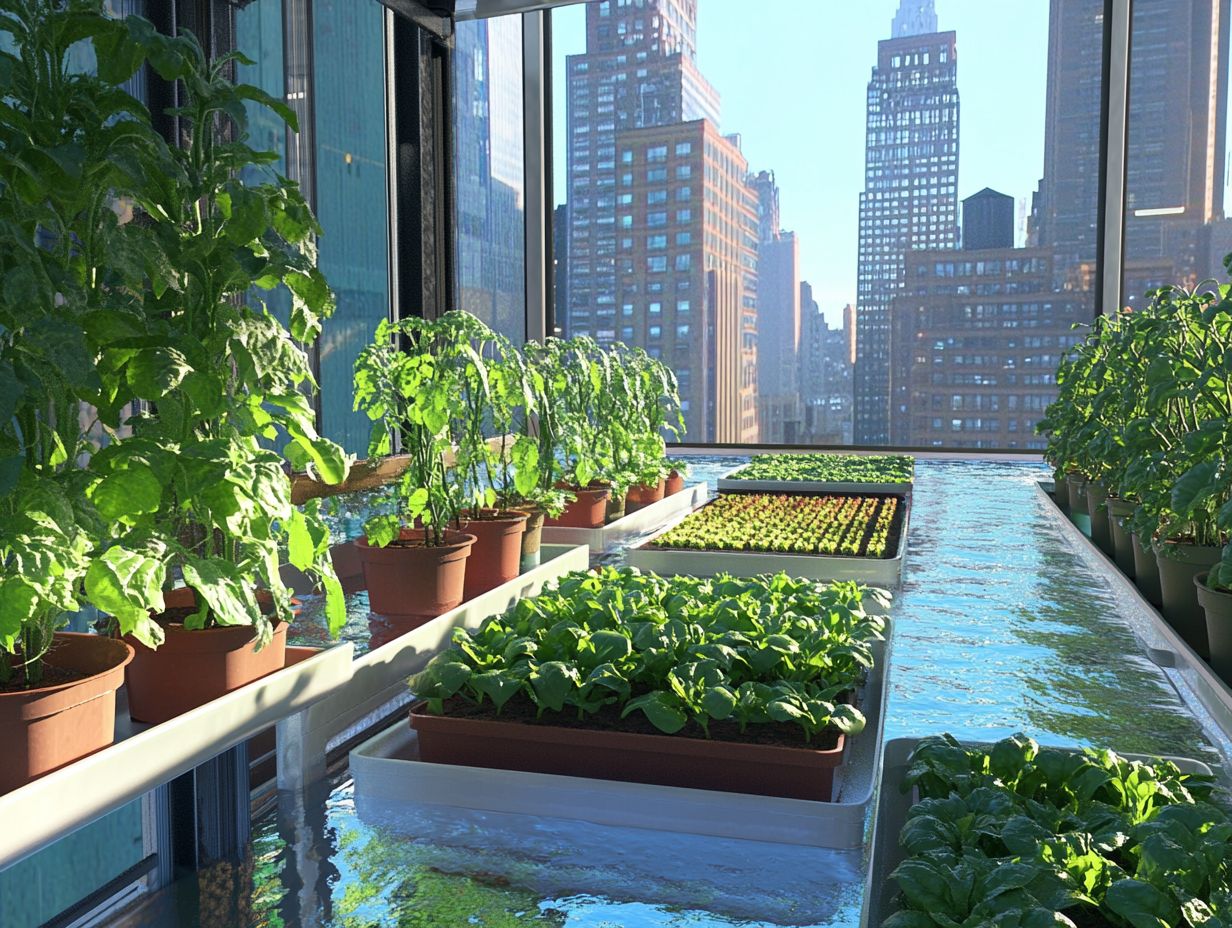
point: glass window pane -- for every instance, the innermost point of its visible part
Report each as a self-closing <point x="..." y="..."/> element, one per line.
<point x="352" y="198"/>
<point x="490" y="166"/>
<point x="847" y="272"/>
<point x="1177" y="230"/>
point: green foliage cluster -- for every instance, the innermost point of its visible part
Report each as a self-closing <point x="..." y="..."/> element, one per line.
<point x="829" y="525"/>
<point x="684" y="651"/>
<point x="829" y="468"/>
<point x="1024" y="837"/>
<point x="141" y="390"/>
<point x="1144" y="406"/>
<point x="486" y="423"/>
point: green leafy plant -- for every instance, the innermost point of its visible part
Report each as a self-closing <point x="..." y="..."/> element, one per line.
<point x="1028" y="836"/>
<point x="685" y="652"/>
<point x="124" y="324"/>
<point x="829" y="468"/>
<point x="830" y="525"/>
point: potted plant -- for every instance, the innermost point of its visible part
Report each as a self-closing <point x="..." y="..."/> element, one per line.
<point x="654" y="398"/>
<point x="414" y="562"/>
<point x="568" y="456"/>
<point x="677" y="474"/>
<point x="621" y="675"/>
<point x="200" y="502"/>
<point x="482" y="362"/>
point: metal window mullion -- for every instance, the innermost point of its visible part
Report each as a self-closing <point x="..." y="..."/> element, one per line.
<point x="1118" y="18"/>
<point x="537" y="162"/>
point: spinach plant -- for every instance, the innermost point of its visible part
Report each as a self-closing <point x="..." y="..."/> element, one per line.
<point x="683" y="651"/>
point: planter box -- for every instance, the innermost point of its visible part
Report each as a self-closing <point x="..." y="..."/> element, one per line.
<point x="663" y="760"/>
<point x="890" y="815"/>
<point x="731" y="483"/>
<point x="390" y="776"/>
<point x="629" y="528"/>
<point x="144" y="757"/>
<point x="882" y="572"/>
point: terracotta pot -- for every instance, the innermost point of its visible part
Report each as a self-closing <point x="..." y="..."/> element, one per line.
<point x="46" y="728"/>
<point x="617" y="506"/>
<point x="496" y="557"/>
<point x="347" y="566"/>
<point x="642" y="496"/>
<point x="674" y="483"/>
<point x="587" y="511"/>
<point x="1179" y="564"/>
<point x="532" y="539"/>
<point x="1101" y="532"/>
<point x="1076" y="484"/>
<point x="1122" y="544"/>
<point x="1146" y="571"/>
<point x="192" y="667"/>
<point x="416" y="580"/>
<point x="1060" y="493"/>
<point x="666" y="760"/>
<point x="1218" y="608"/>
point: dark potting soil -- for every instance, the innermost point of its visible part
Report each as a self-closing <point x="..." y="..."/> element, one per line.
<point x="52" y="676"/>
<point x="522" y="712"/>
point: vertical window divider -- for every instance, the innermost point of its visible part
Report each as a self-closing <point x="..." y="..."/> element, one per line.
<point x="536" y="76"/>
<point x="1118" y="17"/>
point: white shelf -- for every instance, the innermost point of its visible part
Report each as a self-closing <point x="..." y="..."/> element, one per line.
<point x="626" y="530"/>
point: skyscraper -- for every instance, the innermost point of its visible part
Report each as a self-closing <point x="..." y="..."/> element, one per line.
<point x="910" y="199"/>
<point x="778" y="319"/>
<point x="662" y="223"/>
<point x="988" y="220"/>
<point x="1177" y="123"/>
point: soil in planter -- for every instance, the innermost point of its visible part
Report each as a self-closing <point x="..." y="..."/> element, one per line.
<point x="778" y="734"/>
<point x="52" y="676"/>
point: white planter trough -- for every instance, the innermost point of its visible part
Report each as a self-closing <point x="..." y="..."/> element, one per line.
<point x="635" y="525"/>
<point x="890" y="815"/>
<point x="881" y="572"/>
<point x="390" y="780"/>
<point x="379" y="676"/>
<point x="144" y="757"/>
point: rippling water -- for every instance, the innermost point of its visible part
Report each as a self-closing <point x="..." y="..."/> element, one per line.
<point x="1000" y="627"/>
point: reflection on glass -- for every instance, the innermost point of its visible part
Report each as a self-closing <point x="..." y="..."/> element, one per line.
<point x="352" y="201"/>
<point x="1176" y="227"/>
<point x="489" y="162"/>
<point x="796" y="233"/>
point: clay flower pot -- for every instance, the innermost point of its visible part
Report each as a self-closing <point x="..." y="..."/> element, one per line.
<point x="1146" y="570"/>
<point x="194" y="666"/>
<point x="589" y="510"/>
<point x="496" y="557"/>
<point x="532" y="538"/>
<point x="1218" y="607"/>
<point x="674" y="483"/>
<point x="642" y="496"/>
<point x="616" y="507"/>
<point x="46" y="728"/>
<point x="411" y="579"/>
<point x="1101" y="532"/>
<point x="1076" y="485"/>
<point x="1122" y="544"/>
<point x="1179" y="564"/>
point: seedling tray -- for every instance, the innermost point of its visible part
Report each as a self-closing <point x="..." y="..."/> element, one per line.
<point x="882" y="572"/>
<point x="890" y="815"/>
<point x="390" y="779"/>
<point x="627" y="529"/>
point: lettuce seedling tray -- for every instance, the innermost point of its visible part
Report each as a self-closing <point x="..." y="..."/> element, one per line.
<point x="890" y="815"/>
<point x="881" y="572"/>
<point x="731" y="482"/>
<point x="629" y="528"/>
<point x="391" y="780"/>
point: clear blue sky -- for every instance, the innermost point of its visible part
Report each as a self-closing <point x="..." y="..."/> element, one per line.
<point x="793" y="79"/>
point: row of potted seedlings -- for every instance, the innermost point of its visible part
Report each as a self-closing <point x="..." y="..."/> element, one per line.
<point x="143" y="385"/>
<point x="827" y="471"/>
<point x="499" y="441"/>
<point x="1139" y="437"/>
<point x="747" y="685"/>
<point x="1016" y="834"/>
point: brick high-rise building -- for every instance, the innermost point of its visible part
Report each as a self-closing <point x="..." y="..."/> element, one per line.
<point x="662" y="224"/>
<point x="688" y="272"/>
<point x="976" y="339"/>
<point x="910" y="199"/>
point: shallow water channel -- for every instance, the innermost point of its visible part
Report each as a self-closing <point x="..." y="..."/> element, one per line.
<point x="1002" y="626"/>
